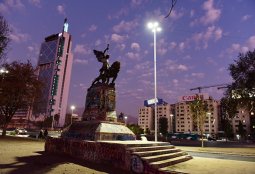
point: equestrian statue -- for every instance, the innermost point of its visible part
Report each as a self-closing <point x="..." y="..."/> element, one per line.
<point x="106" y="71"/>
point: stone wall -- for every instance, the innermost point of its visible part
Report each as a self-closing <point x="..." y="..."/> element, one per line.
<point x="98" y="152"/>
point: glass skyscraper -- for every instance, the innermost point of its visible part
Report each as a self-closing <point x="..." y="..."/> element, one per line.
<point x="54" y="68"/>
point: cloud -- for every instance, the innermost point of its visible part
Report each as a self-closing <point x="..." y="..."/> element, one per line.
<point x="201" y="39"/>
<point x="125" y="26"/>
<point x="175" y="82"/>
<point x="121" y="46"/>
<point x="36" y="3"/>
<point x="19" y="37"/>
<point x="236" y="47"/>
<point x="7" y="5"/>
<point x="135" y="46"/>
<point x="81" y="49"/>
<point x="93" y="28"/>
<point x="218" y="33"/>
<point x="174" y="67"/>
<point x="251" y="42"/>
<point x="192" y="13"/>
<point x="61" y="9"/>
<point x="212" y="14"/>
<point x="143" y="66"/>
<point x="136" y="2"/>
<point x="246" y="17"/>
<point x="198" y="75"/>
<point x="81" y="61"/>
<point x="118" y="38"/>
<point x="133" y="56"/>
<point x="33" y="48"/>
<point x="175" y="15"/>
<point x="182" y="67"/>
<point x="98" y="42"/>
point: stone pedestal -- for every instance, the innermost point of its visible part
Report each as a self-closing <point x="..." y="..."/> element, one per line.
<point x="100" y="103"/>
<point x="98" y="130"/>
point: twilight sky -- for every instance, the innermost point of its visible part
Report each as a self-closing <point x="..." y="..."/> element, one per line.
<point x="197" y="42"/>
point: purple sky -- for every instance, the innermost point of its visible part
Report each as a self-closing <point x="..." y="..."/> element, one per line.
<point x="197" y="43"/>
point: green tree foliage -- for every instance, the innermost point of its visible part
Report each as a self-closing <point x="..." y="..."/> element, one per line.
<point x="199" y="108"/>
<point x="136" y="129"/>
<point x="19" y="89"/>
<point x="4" y="37"/>
<point x="163" y="125"/>
<point x="243" y="86"/>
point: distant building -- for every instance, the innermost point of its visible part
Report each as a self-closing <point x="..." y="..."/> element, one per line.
<point x="146" y="118"/>
<point x="184" y="119"/>
<point x="180" y="117"/>
<point x="54" y="68"/>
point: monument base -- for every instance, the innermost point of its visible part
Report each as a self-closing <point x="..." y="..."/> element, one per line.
<point x="98" y="130"/>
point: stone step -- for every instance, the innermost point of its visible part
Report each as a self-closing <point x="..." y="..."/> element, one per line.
<point x="150" y="148"/>
<point x="156" y="152"/>
<point x="166" y="170"/>
<point x="155" y="158"/>
<point x="169" y="162"/>
<point x="148" y="144"/>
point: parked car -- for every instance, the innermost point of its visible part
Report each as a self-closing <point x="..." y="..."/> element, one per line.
<point x="211" y="139"/>
<point x="20" y="131"/>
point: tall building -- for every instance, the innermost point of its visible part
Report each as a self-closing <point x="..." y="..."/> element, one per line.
<point x="54" y="68"/>
<point x="184" y="119"/>
<point x="146" y="118"/>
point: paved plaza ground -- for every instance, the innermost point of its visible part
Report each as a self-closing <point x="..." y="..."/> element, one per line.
<point x="19" y="155"/>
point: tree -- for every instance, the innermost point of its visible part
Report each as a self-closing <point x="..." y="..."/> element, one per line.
<point x="136" y="129"/>
<point x="163" y="125"/>
<point x="4" y="37"/>
<point x="19" y="89"/>
<point x="243" y="87"/>
<point x="229" y="111"/>
<point x="199" y="108"/>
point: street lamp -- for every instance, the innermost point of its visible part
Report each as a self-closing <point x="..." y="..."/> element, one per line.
<point x="125" y="120"/>
<point x="154" y="26"/>
<point x="72" y="108"/>
<point x="172" y="127"/>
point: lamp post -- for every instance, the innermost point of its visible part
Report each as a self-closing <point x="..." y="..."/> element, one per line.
<point x="154" y="26"/>
<point x="125" y="120"/>
<point x="72" y="108"/>
<point x="172" y="127"/>
<point x="2" y="73"/>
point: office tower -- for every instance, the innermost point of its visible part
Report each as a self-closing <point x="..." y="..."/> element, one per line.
<point x="54" y="68"/>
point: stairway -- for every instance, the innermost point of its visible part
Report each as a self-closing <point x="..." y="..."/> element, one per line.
<point x="158" y="156"/>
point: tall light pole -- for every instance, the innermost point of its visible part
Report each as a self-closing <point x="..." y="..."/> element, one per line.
<point x="72" y="108"/>
<point x="125" y="120"/>
<point x="154" y="26"/>
<point x="172" y="127"/>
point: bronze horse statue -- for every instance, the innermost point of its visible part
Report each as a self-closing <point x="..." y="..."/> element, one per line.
<point x="111" y="72"/>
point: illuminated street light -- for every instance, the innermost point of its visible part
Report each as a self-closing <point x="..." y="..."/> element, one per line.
<point x="172" y="127"/>
<point x="125" y="120"/>
<point x="72" y="108"/>
<point x="154" y="27"/>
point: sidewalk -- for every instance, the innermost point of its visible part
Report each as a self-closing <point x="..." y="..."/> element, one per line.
<point x="244" y="151"/>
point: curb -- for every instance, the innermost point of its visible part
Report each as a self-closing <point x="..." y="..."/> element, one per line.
<point x="226" y="153"/>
